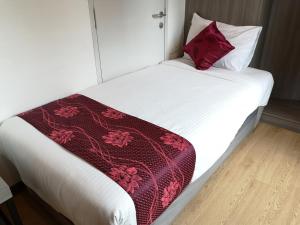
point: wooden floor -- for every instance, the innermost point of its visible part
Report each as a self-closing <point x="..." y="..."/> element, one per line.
<point x="258" y="184"/>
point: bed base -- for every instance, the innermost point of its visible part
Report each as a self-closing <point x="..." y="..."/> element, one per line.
<point x="193" y="189"/>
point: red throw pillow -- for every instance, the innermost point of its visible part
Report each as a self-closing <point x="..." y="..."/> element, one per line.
<point x="208" y="47"/>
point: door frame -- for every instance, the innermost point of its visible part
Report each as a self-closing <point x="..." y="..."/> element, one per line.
<point x="95" y="41"/>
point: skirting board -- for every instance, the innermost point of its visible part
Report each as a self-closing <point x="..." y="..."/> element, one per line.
<point x="193" y="189"/>
<point x="283" y="113"/>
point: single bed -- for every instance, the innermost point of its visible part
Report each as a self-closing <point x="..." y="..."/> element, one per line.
<point x="208" y="108"/>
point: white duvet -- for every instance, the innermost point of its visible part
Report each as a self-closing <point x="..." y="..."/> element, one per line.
<point x="207" y="108"/>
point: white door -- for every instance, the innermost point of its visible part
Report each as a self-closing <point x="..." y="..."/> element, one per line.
<point x="130" y="34"/>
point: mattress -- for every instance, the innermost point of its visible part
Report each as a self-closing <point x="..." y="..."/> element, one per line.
<point x="205" y="107"/>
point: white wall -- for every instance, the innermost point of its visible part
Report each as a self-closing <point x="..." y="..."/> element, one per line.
<point x="46" y="52"/>
<point x="175" y="28"/>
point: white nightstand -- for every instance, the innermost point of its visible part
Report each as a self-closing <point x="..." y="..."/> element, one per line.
<point x="6" y="198"/>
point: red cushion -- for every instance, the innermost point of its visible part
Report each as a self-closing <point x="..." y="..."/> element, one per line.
<point x="208" y="47"/>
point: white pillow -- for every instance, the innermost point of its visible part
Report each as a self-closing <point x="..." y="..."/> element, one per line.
<point x="243" y="38"/>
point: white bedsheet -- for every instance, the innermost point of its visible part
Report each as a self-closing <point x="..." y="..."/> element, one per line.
<point x="207" y="108"/>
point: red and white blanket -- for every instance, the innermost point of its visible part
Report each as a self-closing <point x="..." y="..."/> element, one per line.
<point x="152" y="164"/>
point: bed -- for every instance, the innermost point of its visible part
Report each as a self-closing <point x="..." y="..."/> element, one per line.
<point x="208" y="108"/>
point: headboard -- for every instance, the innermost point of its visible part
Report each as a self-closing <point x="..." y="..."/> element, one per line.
<point x="46" y="52"/>
<point x="236" y="12"/>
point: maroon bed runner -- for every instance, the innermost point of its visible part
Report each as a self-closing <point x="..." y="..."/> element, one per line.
<point x="152" y="164"/>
